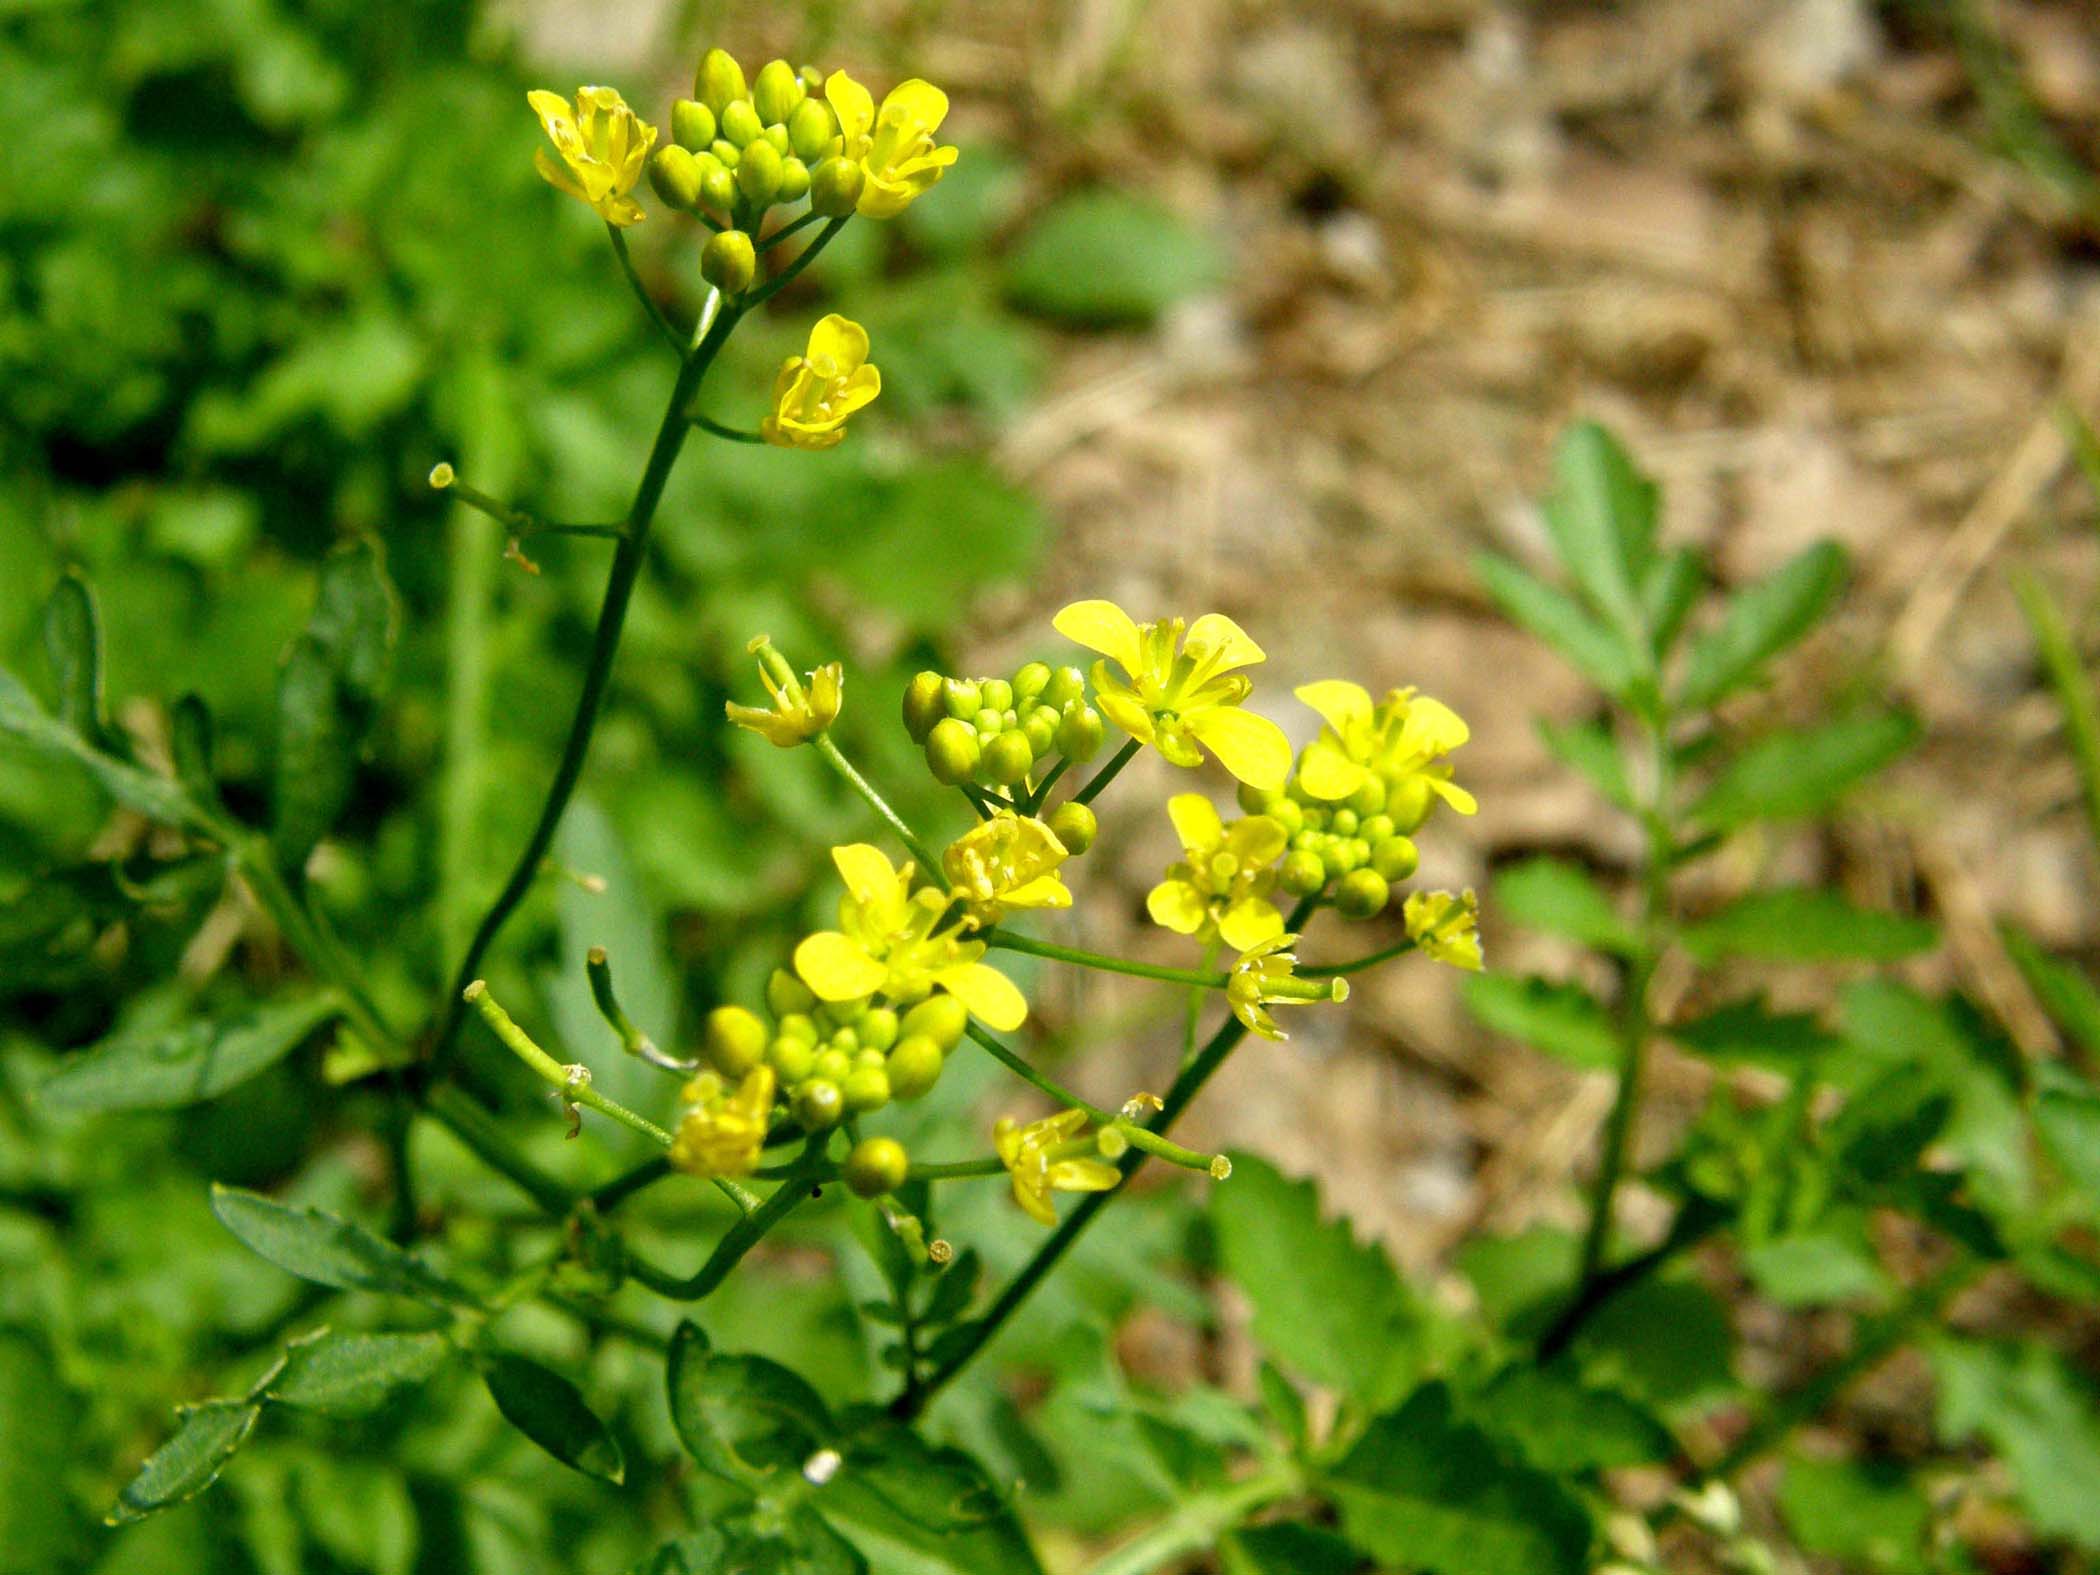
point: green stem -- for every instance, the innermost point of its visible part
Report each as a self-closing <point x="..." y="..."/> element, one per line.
<point x="786" y="276"/>
<point x="1006" y="940"/>
<point x="715" y="428"/>
<point x="1359" y="964"/>
<point x="746" y="1233"/>
<point x="2074" y="690"/>
<point x="634" y="281"/>
<point x="1695" y="1222"/>
<point x="1197" y="1522"/>
<point x="625" y="1185"/>
<point x="463" y="1115"/>
<point x="929" y="865"/>
<point x="786" y="230"/>
<point x="573" y="1082"/>
<point x="1137" y="1135"/>
<point x="1042" y="788"/>
<point x="1108" y="773"/>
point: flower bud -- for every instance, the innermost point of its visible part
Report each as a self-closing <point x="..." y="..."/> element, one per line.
<point x="693" y="124"/>
<point x="1342" y="822"/>
<point x="1258" y="801"/>
<point x="1030" y="681"/>
<point x="876" y="1165"/>
<point x="914" y="1066"/>
<point x="963" y="698"/>
<point x="1362" y="894"/>
<point x="675" y="175"/>
<point x="1374" y="829"/>
<point x="777" y="136"/>
<point x="1408" y="803"/>
<point x="786" y="994"/>
<point x="866" y="1088"/>
<point x="794" y="180"/>
<point x="735" y="1040"/>
<point x="776" y="91"/>
<point x="811" y="130"/>
<point x="1079" y="735"/>
<point x="758" y="177"/>
<point x="729" y="262"/>
<point x="924" y="704"/>
<point x="1066" y="685"/>
<point x="1369" y="798"/>
<point x="717" y="184"/>
<point x="997" y="694"/>
<point x="1009" y="758"/>
<point x="792" y="1059"/>
<point x="1302" y="874"/>
<point x="942" y="1018"/>
<point x="740" y="123"/>
<point x="1041" y="730"/>
<point x="834" y="187"/>
<point x="812" y="79"/>
<point x="833" y="1065"/>
<point x="1396" y="858"/>
<point x="727" y="153"/>
<point x="720" y="81"/>
<point x="878" y="1030"/>
<point x="818" y="1104"/>
<point x="952" y="751"/>
<point x="1074" y="825"/>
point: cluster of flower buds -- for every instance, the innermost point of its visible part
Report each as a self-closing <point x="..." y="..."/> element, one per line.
<point x="1002" y="734"/>
<point x="1356" y="845"/>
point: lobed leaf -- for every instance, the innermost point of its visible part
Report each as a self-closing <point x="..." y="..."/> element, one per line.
<point x="1602" y="515"/>
<point x="1563" y="1020"/>
<point x="1761" y="621"/>
<point x="1798" y="775"/>
<point x="1806" y="924"/>
<point x="167" y="1068"/>
<point x="1557" y="618"/>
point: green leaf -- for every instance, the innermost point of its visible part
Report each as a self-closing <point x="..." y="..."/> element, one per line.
<point x="1806" y="924"/>
<point x="1287" y="1547"/>
<point x="1761" y="621"/>
<point x="1817" y="1268"/>
<point x="2039" y="1415"/>
<point x="167" y="1068"/>
<point x="2063" y="989"/>
<point x="1562" y="1425"/>
<point x="2067" y="1118"/>
<point x="1885" y="1127"/>
<point x="189" y="1462"/>
<point x="703" y="1552"/>
<point x="28" y="725"/>
<point x="1426" y="1491"/>
<point x="1798" y="775"/>
<point x="1325" y="1305"/>
<point x="940" y="1488"/>
<point x="190" y="739"/>
<point x="1590" y="749"/>
<point x="1563" y="1020"/>
<point x="1562" y="899"/>
<point x="1558" y="619"/>
<point x="359" y="1511"/>
<point x="39" y="1528"/>
<point x="741" y="1417"/>
<point x="1868" y="1514"/>
<point x="326" y="1250"/>
<point x="1669" y="590"/>
<point x="1665" y="1342"/>
<point x="350" y="1374"/>
<point x="73" y="646"/>
<point x="1601" y="515"/>
<point x="915" y="1509"/>
<point x="1103" y="257"/>
<point x="551" y="1411"/>
<point x="1748" y="1030"/>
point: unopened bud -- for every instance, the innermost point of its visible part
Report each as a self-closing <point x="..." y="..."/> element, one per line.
<point x="758" y="177"/>
<point x="726" y="153"/>
<point x="811" y="129"/>
<point x="675" y="174"/>
<point x="693" y="124"/>
<point x="786" y="994"/>
<point x="777" y="92"/>
<point x="1080" y="734"/>
<point x="717" y="184"/>
<point x="794" y="180"/>
<point x="923" y="704"/>
<point x="1395" y="857"/>
<point x="740" y="123"/>
<point x="818" y="1104"/>
<point x="1075" y="825"/>
<point x="1303" y="873"/>
<point x="914" y="1066"/>
<point x="729" y="262"/>
<point x="720" y="81"/>
<point x="735" y="1041"/>
<point x="1030" y="681"/>
<point x="834" y="187"/>
<point x="876" y="1165"/>
<point x="952" y="751"/>
<point x="1008" y="758"/>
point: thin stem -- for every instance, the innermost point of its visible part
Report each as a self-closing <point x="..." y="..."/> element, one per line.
<point x="625" y="1185"/>
<point x="1697" y="1220"/>
<point x="251" y="854"/>
<point x="2074" y="690"/>
<point x="1006" y="940"/>
<point x="573" y="1081"/>
<point x="1107" y="773"/>
<point x="928" y="863"/>
<point x="1197" y="1522"/>
<point x="463" y="1115"/>
<point x="1359" y="964"/>
<point x="598" y="969"/>
<point x="786" y="276"/>
<point x="1042" y="788"/>
<point x="786" y="230"/>
<point x="715" y="428"/>
<point x="1136" y="1135"/>
<point x="1192" y="1018"/>
<point x="746" y="1233"/>
<point x="634" y="281"/>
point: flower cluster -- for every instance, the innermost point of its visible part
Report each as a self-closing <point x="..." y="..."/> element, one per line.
<point x="1002" y="735"/>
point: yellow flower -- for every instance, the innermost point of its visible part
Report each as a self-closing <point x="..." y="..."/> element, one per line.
<point x="1221" y="888"/>
<point x="1402" y="739"/>
<point x="797" y="715"/>
<point x="602" y="144"/>
<point x="1262" y="978"/>
<point x="1028" y="1153"/>
<point x="887" y="941"/>
<point x="1009" y="861"/>
<point x="1445" y="927"/>
<point x="894" y="146"/>
<point x="724" y="1136"/>
<point x="1180" y="694"/>
<point x="816" y="391"/>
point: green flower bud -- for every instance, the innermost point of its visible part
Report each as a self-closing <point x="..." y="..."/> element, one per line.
<point x="1347" y="853"/>
<point x="1369" y="799"/>
<point x="818" y="1104"/>
<point x="834" y="187"/>
<point x="876" y="1165"/>
<point x="1040" y="730"/>
<point x="1342" y="822"/>
<point x="844" y="1039"/>
<point x="735" y="1040"/>
<point x="717" y="184"/>
<point x="833" y="1065"/>
<point x="952" y="751"/>
<point x="1080" y="734"/>
<point x="741" y="125"/>
<point x="1074" y="825"/>
<point x="1362" y="894"/>
<point x="1396" y="858"/>
<point x="812" y="80"/>
<point x="792" y="1060"/>
<point x="989" y="721"/>
<point x="729" y="262"/>
<point x="1374" y="829"/>
<point x="758" y="177"/>
<point x="942" y="1018"/>
<point x="776" y="91"/>
<point x="1008" y="758"/>
<point x="719" y="81"/>
<point x="693" y="124"/>
<point x="811" y="129"/>
<point x="1313" y="817"/>
<point x="1289" y="814"/>
<point x="798" y="1025"/>
<point x="674" y="174"/>
<point x="866" y="1088"/>
<point x="914" y="1066"/>
<point x="1065" y="685"/>
<point x="794" y="179"/>
<point x="964" y="698"/>
<point x="1303" y="873"/>
<point x="997" y="693"/>
<point x="1258" y="801"/>
<point x="785" y="993"/>
<point x="726" y="153"/>
<point x="1334" y="858"/>
<point x="878" y="1030"/>
<point x="924" y="704"/>
<point x="777" y="138"/>
<point x="1408" y="803"/>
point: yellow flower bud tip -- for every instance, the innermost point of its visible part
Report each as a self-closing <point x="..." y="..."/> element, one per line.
<point x="675" y="176"/>
<point x="725" y="153"/>
<point x="794" y="180"/>
<point x="815" y="393"/>
<point x="811" y="130"/>
<point x="835" y="186"/>
<point x="442" y="476"/>
<point x="600" y="146"/>
<point x="758" y="176"/>
<point x="693" y="124"/>
<point x="924" y="704"/>
<point x="740" y="123"/>
<point x="729" y="262"/>
<point x="1075" y="825"/>
<point x="777" y="92"/>
<point x="952" y="751"/>
<point x="720" y="80"/>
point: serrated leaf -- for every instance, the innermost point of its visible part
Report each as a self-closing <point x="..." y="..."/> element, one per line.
<point x="1557" y="618"/>
<point x="1563" y="1425"/>
<point x="32" y="728"/>
<point x="741" y="1416"/>
<point x="1748" y="1030"/>
<point x="351" y="1374"/>
<point x="551" y="1411"/>
<point x="1601" y="515"/>
<point x="1806" y="924"/>
<point x="189" y="1462"/>
<point x="326" y="1250"/>
<point x="1563" y="899"/>
<point x="1425" y="1491"/>
<point x="1590" y="749"/>
<point x="1563" y="1020"/>
<point x="1325" y="1305"/>
<point x="167" y="1068"/>
<point x="1798" y="775"/>
<point x="1103" y="257"/>
<point x="1867" y="1513"/>
<point x="73" y="647"/>
<point x="2039" y="1415"/>
<point x="1761" y="620"/>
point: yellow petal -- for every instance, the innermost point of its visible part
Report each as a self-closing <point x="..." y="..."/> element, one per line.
<point x="853" y="104"/>
<point x="1432" y="728"/>
<point x="1454" y="795"/>
<point x="1340" y="703"/>
<point x="556" y="174"/>
<point x="1176" y="905"/>
<point x="838" y="968"/>
<point x="987" y="992"/>
<point x="1195" y="821"/>
<point x="552" y="109"/>
<point x="841" y="339"/>
<point x="1034" y="1197"/>
<point x="1122" y="708"/>
<point x="1249" y="923"/>
<point x="1327" y="773"/>
<point x="1081" y="1175"/>
<point x="1251" y="747"/>
<point x="1256" y="840"/>
<point x="916" y="103"/>
<point x="1045" y="891"/>
<point x="866" y="871"/>
<point x="1225" y="644"/>
<point x="1101" y="626"/>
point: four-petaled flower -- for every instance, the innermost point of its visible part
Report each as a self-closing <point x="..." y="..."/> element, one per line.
<point x="1263" y="977"/>
<point x="894" y="145"/>
<point x="797" y="714"/>
<point x="1029" y="1155"/>
<point x="890" y="939"/>
<point x="603" y="145"/>
<point x="724" y="1137"/>
<point x="816" y="391"/>
<point x="1009" y="861"/>
<point x="1221" y="888"/>
<point x="1403" y="739"/>
<point x="1445" y="927"/>
<point x="1181" y="693"/>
